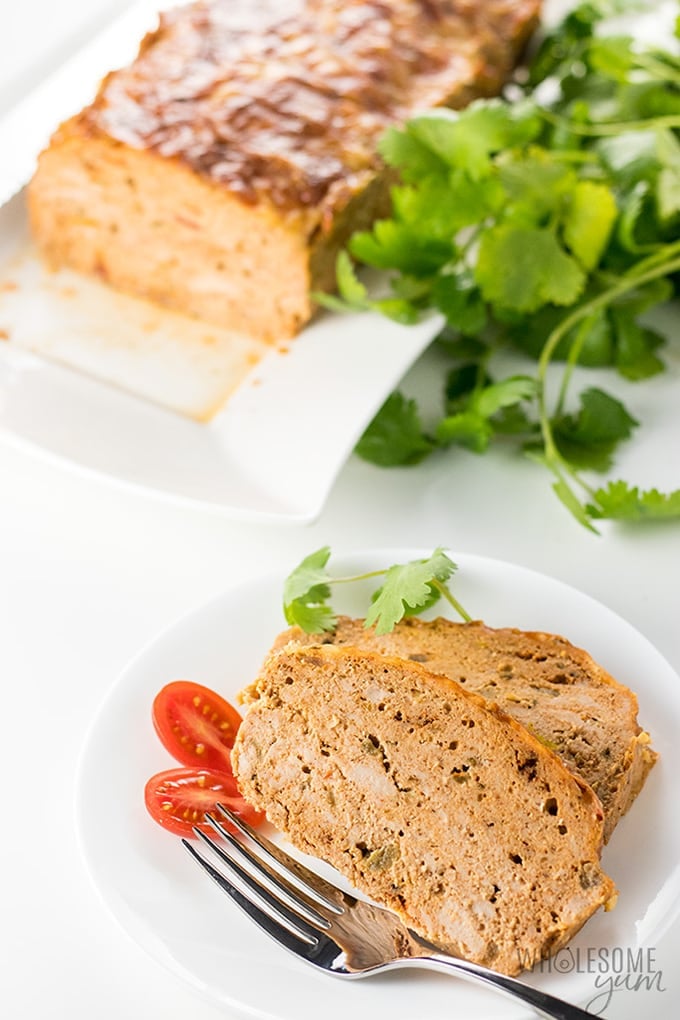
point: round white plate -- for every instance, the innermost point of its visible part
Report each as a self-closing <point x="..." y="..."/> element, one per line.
<point x="170" y="908"/>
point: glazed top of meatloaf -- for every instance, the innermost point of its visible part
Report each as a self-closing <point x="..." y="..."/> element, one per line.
<point x="286" y="98"/>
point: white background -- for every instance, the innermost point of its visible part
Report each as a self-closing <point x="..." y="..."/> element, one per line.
<point x="88" y="573"/>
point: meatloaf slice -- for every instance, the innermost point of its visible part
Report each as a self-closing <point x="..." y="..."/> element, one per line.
<point x="556" y="690"/>
<point x="431" y="800"/>
<point x="220" y="172"/>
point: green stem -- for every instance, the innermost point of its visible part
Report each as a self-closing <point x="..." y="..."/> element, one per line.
<point x="661" y="254"/>
<point x="451" y="599"/>
<point x="612" y="127"/>
<point x="574" y="156"/>
<point x="658" y="68"/>
<point x="626" y="284"/>
<point x="574" y="353"/>
<point x="356" y="577"/>
<point x="441" y="588"/>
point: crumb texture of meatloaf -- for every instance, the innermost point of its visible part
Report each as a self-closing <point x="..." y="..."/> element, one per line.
<point x="220" y="172"/>
<point x="556" y="690"/>
<point x="430" y="800"/>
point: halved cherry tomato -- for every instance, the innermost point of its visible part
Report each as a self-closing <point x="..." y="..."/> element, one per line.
<point x="196" y="725"/>
<point x="178" y="799"/>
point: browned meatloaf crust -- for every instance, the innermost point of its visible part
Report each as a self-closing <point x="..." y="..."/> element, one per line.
<point x="431" y="800"/>
<point x="219" y="173"/>
<point x="553" y="688"/>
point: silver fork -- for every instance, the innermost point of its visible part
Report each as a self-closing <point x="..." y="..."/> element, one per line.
<point x="329" y="928"/>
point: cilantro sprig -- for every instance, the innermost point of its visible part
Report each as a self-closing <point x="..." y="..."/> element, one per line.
<point x="548" y="225"/>
<point x="406" y="589"/>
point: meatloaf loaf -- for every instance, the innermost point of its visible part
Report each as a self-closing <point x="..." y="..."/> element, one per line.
<point x="431" y="800"/>
<point x="220" y="172"/>
<point x="556" y="690"/>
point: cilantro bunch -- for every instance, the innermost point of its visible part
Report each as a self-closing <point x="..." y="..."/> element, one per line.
<point x="548" y="223"/>
<point x="406" y="589"/>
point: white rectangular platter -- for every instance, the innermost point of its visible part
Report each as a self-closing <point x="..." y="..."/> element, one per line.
<point x="189" y="412"/>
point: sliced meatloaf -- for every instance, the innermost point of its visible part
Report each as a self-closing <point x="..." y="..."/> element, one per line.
<point x="220" y="172"/>
<point x="556" y="690"/>
<point x="431" y="800"/>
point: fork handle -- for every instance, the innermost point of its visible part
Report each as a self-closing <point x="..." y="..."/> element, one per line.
<point x="541" y="1002"/>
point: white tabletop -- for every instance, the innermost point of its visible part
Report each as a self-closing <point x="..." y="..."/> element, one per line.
<point x="88" y="573"/>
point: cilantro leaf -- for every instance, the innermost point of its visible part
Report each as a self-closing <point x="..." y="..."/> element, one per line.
<point x="589" y="437"/>
<point x="420" y="237"/>
<point x="589" y="222"/>
<point x="612" y="56"/>
<point x="439" y="206"/>
<point x="401" y="148"/>
<point x="349" y="285"/>
<point x="458" y="297"/>
<point x="432" y="600"/>
<point x="505" y="393"/>
<point x="395" y="436"/>
<point x="399" y="309"/>
<point x="635" y="346"/>
<point x="407" y="587"/>
<point x="306" y="591"/>
<point x="596" y="340"/>
<point x="312" y="617"/>
<point x="392" y="244"/>
<point x="309" y="575"/>
<point x="466" y="428"/>
<point x="535" y="183"/>
<point x="467" y="139"/>
<point x="475" y="402"/>
<point x="523" y="268"/>
<point x="623" y="502"/>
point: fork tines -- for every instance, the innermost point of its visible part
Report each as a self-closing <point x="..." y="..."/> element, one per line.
<point x="275" y="859"/>
<point x="289" y="902"/>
